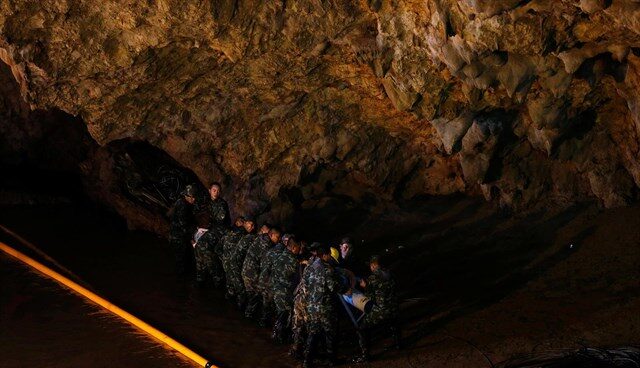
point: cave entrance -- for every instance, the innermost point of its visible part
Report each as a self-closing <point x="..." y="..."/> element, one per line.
<point x="150" y="177"/>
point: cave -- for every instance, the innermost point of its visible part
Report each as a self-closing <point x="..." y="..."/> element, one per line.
<point x="484" y="152"/>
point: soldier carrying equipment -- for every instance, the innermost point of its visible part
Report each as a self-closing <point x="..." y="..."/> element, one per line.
<point x="321" y="285"/>
<point x="266" y="267"/>
<point x="380" y="288"/>
<point x="284" y="279"/>
<point x="229" y="242"/>
<point x="251" y="269"/>
<point x="236" y="262"/>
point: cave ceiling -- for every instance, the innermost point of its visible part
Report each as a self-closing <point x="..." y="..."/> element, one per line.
<point x="526" y="103"/>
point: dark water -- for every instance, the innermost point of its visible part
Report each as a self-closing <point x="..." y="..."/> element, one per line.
<point x="135" y="271"/>
<point x="41" y="325"/>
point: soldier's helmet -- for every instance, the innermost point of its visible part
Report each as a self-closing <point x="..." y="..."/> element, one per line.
<point x="189" y="191"/>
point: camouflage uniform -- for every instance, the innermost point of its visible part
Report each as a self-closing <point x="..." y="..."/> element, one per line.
<point x="219" y="214"/>
<point x="299" y="318"/>
<point x="381" y="290"/>
<point x="203" y="251"/>
<point x="283" y="281"/>
<point x="321" y="285"/>
<point x="237" y="261"/>
<point x="251" y="272"/>
<point x="181" y="229"/>
<point x="217" y="270"/>
<point x="229" y="243"/>
<point x="266" y="267"/>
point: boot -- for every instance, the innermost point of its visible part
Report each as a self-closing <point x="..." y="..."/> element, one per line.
<point x="229" y="296"/>
<point x="396" y="336"/>
<point x="330" y="339"/>
<point x="296" y="348"/>
<point x="364" y="348"/>
<point x="309" y="348"/>
<point x="279" y="327"/>
<point x="265" y="319"/>
<point x="252" y="305"/>
<point x="241" y="300"/>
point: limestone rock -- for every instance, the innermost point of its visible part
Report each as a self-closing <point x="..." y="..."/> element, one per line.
<point x="479" y="146"/>
<point x="452" y="131"/>
<point x="275" y="93"/>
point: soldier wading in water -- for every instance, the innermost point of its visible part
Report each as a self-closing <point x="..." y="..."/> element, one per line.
<point x="268" y="269"/>
<point x="182" y="228"/>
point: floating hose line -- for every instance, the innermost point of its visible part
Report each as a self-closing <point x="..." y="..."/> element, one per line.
<point x="84" y="292"/>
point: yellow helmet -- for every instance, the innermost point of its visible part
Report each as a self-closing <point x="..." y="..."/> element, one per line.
<point x="335" y="254"/>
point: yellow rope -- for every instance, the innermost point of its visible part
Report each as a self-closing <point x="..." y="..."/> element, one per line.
<point x="150" y="330"/>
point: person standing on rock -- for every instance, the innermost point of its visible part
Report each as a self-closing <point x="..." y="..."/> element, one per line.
<point x="266" y="267"/>
<point x="181" y="228"/>
<point x="251" y="269"/>
<point x="219" y="210"/>
<point x="229" y="242"/>
<point x="238" y="254"/>
<point x="321" y="286"/>
<point x="380" y="288"/>
<point x="284" y="279"/>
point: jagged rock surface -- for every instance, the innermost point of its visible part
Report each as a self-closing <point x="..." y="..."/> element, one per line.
<point x="527" y="102"/>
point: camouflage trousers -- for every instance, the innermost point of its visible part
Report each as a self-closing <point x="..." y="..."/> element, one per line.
<point x="208" y="265"/>
<point x="282" y="298"/>
<point x="298" y="323"/>
<point x="376" y="316"/>
<point x="250" y="282"/>
<point x="235" y="285"/>
<point x="320" y="328"/>
<point x="378" y="320"/>
<point x="182" y="251"/>
<point x="267" y="303"/>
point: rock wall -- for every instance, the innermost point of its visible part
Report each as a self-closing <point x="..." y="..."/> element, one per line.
<point x="294" y="104"/>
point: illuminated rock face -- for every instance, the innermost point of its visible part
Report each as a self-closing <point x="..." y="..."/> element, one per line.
<point x="526" y="102"/>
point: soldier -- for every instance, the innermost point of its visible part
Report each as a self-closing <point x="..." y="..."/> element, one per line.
<point x="203" y="242"/>
<point x="380" y="288"/>
<point x="219" y="210"/>
<point x="229" y="242"/>
<point x="251" y="269"/>
<point x="266" y="264"/>
<point x="348" y="259"/>
<point x="237" y="260"/>
<point x="321" y="285"/>
<point x="284" y="278"/>
<point x="181" y="229"/>
<point x="300" y="318"/>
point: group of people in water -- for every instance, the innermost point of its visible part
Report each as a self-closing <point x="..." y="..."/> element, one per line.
<point x="280" y="281"/>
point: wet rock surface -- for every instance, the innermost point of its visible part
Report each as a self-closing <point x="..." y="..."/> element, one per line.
<point x="386" y="97"/>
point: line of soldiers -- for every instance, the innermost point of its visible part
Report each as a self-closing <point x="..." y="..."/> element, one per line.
<point x="277" y="279"/>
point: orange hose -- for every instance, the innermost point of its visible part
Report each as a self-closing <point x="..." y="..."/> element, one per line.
<point x="148" y="329"/>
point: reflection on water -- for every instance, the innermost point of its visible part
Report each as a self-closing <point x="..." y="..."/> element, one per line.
<point x="41" y="324"/>
<point x="134" y="270"/>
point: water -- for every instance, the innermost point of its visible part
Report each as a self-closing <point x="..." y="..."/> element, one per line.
<point x="135" y="271"/>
